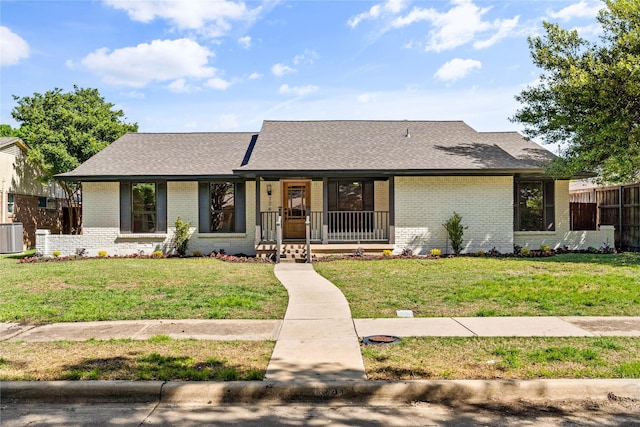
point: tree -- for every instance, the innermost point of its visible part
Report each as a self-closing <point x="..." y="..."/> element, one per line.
<point x="6" y="130"/>
<point x="588" y="95"/>
<point x="63" y="130"/>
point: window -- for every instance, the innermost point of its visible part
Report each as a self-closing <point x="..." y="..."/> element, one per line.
<point x="143" y="207"/>
<point x="350" y="195"/>
<point x="534" y="206"/>
<point x="222" y="207"/>
<point x="10" y="204"/>
<point x="47" y="203"/>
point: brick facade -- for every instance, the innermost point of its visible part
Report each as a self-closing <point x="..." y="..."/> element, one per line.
<point x="32" y="217"/>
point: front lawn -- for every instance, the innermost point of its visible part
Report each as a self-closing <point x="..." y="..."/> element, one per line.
<point x="563" y="285"/>
<point x="504" y="358"/>
<point x="159" y="358"/>
<point x="136" y="288"/>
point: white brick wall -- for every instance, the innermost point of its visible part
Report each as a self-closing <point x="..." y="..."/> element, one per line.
<point x="423" y="204"/>
<point x="101" y="225"/>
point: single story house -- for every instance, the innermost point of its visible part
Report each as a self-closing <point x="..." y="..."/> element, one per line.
<point x="371" y="184"/>
<point x="23" y="198"/>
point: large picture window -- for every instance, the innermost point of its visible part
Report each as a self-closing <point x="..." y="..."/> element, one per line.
<point x="350" y="195"/>
<point x="143" y="207"/>
<point x="534" y="206"/>
<point x="222" y="207"/>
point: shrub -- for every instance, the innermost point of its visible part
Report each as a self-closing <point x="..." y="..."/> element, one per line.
<point x="157" y="254"/>
<point x="525" y="251"/>
<point x="545" y="248"/>
<point x="359" y="252"/>
<point x="480" y="253"/>
<point x="102" y="254"/>
<point x="387" y="253"/>
<point x="455" y="231"/>
<point x="181" y="236"/>
<point x="435" y="252"/>
<point x="408" y="252"/>
<point x="56" y="254"/>
<point x="197" y="253"/>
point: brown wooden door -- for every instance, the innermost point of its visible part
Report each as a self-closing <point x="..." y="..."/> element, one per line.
<point x="295" y="202"/>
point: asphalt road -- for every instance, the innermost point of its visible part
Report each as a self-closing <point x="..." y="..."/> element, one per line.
<point x="538" y="413"/>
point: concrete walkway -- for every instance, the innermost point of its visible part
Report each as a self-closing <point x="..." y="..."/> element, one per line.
<point x="318" y="340"/>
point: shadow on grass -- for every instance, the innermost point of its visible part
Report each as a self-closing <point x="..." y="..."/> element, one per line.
<point x="25" y="254"/>
<point x="613" y="260"/>
<point x="156" y="367"/>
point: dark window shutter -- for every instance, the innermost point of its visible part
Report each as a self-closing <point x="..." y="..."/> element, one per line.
<point x="549" y="205"/>
<point x="125" y="207"/>
<point x="516" y="205"/>
<point x="367" y="196"/>
<point x="161" y="206"/>
<point x="333" y="195"/>
<point x="204" y="208"/>
<point x="240" y="201"/>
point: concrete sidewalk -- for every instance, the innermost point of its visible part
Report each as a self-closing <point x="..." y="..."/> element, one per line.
<point x="258" y="330"/>
<point x="317" y="340"/>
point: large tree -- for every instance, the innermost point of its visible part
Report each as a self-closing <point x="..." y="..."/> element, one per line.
<point x="588" y="96"/>
<point x="63" y="130"/>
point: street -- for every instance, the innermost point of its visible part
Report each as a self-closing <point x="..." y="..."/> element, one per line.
<point x="613" y="412"/>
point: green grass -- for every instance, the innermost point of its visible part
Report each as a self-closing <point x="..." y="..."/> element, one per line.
<point x="134" y="288"/>
<point x="564" y="285"/>
<point x="159" y="358"/>
<point x="506" y="358"/>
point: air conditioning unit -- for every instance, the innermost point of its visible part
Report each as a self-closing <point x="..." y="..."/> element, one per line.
<point x="11" y="238"/>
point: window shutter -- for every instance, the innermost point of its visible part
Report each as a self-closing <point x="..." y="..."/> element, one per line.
<point x="367" y="196"/>
<point x="240" y="201"/>
<point x="204" y="209"/>
<point x="161" y="200"/>
<point x="549" y="206"/>
<point x="333" y="195"/>
<point x="125" y="207"/>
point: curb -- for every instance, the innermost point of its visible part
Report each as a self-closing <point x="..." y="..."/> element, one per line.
<point x="334" y="392"/>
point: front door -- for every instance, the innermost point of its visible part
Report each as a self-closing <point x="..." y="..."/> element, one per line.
<point x="295" y="202"/>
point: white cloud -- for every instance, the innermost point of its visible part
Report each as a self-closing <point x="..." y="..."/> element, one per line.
<point x="160" y="60"/>
<point x="461" y="24"/>
<point x="211" y="17"/>
<point x="582" y="9"/>
<point x="285" y="89"/>
<point x="365" y="98"/>
<point x="217" y="83"/>
<point x="13" y="48"/>
<point x="456" y="69"/>
<point x="180" y="86"/>
<point x="255" y="76"/>
<point x="308" y="57"/>
<point x="245" y="42"/>
<point x="390" y="7"/>
<point x="280" y="70"/>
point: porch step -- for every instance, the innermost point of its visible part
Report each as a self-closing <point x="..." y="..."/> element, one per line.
<point x="292" y="252"/>
<point x="297" y="252"/>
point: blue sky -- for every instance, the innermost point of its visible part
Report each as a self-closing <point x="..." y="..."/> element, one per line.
<point x="191" y="65"/>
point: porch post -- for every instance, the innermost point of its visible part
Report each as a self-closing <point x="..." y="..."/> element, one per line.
<point x="258" y="215"/>
<point x="325" y="210"/>
<point x="392" y="210"/>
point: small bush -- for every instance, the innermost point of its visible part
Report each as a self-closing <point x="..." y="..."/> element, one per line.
<point x="197" y="253"/>
<point x="545" y="248"/>
<point x="387" y="253"/>
<point x="455" y="231"/>
<point x="525" y="251"/>
<point x="480" y="253"/>
<point x="435" y="252"/>
<point x="359" y="252"/>
<point x="408" y="252"/>
<point x="56" y="253"/>
<point x="102" y="254"/>
<point x="157" y="254"/>
<point x="181" y="236"/>
<point x="592" y="250"/>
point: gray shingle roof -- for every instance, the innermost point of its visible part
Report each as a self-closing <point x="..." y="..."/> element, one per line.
<point x="315" y="146"/>
<point x="167" y="155"/>
<point x="389" y="146"/>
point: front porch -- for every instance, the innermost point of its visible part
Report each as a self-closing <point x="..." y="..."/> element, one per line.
<point x="324" y="216"/>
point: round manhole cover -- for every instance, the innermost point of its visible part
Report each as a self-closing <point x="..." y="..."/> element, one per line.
<point x="380" y="339"/>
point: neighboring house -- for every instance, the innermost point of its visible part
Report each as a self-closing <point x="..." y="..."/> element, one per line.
<point x="594" y="205"/>
<point x="22" y="198"/>
<point x="371" y="184"/>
